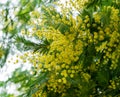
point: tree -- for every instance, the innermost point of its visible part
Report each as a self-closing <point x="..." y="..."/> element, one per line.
<point x="75" y="51"/>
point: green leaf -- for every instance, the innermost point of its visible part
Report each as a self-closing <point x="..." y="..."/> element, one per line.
<point x="102" y="78"/>
<point x="2" y="83"/>
<point x="24" y="2"/>
<point x="4" y="58"/>
<point x="24" y="44"/>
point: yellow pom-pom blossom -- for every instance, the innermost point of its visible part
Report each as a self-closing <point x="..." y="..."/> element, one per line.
<point x="110" y="37"/>
<point x="62" y="61"/>
<point x="64" y="50"/>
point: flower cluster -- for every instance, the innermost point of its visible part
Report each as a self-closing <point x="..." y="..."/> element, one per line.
<point x="64" y="51"/>
<point x="93" y="37"/>
<point x="109" y="37"/>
